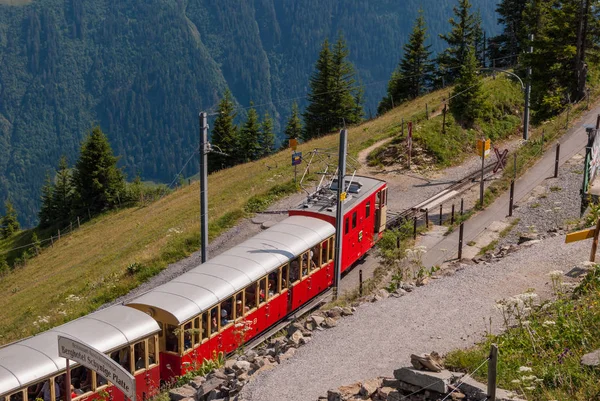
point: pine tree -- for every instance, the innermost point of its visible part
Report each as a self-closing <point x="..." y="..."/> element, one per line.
<point x="97" y="180"/>
<point x="459" y="39"/>
<point x="4" y="268"/>
<point x="10" y="223"/>
<point x="47" y="213"/>
<point x="250" y="136"/>
<point x="225" y="137"/>
<point x="414" y="72"/>
<point x="267" y="136"/>
<point x="318" y="118"/>
<point x="345" y="95"/>
<point x="479" y="39"/>
<point x="37" y="245"/>
<point x="509" y="44"/>
<point x="467" y="98"/>
<point x="293" y="129"/>
<point x="63" y="193"/>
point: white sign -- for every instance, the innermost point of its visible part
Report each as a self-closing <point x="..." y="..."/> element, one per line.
<point x="93" y="359"/>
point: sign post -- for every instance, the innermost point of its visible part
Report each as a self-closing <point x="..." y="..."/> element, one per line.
<point x="409" y="139"/>
<point x="586" y="234"/>
<point x="483" y="149"/>
<point x="296" y="159"/>
<point x="91" y="358"/>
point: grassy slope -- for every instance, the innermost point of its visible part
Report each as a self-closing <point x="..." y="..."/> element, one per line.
<point x="92" y="262"/>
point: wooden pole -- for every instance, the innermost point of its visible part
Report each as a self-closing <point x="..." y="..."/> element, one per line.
<point x="556" y="160"/>
<point x="427" y="218"/>
<point x="427" y="111"/>
<point x="59" y="235"/>
<point x="415" y="228"/>
<point x="512" y="197"/>
<point x="444" y="121"/>
<point x="460" y="240"/>
<point x="78" y="222"/>
<point x="462" y="206"/>
<point x="67" y="388"/>
<point x="360" y="283"/>
<point x="441" y="215"/>
<point x="403" y="128"/>
<point x="452" y="215"/>
<point x="52" y="241"/>
<point x="492" y="373"/>
<point x="595" y="243"/>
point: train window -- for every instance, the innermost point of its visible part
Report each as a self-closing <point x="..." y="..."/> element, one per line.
<point x="81" y="379"/>
<point x="18" y="396"/>
<point x="122" y="357"/>
<point x="139" y="355"/>
<point x="204" y="322"/>
<point x="214" y="320"/>
<point x="41" y="390"/>
<point x="285" y="279"/>
<point x="240" y="308"/>
<point x="305" y="264"/>
<point x="294" y="270"/>
<point x="331" y="248"/>
<point x="188" y="342"/>
<point x="227" y="312"/>
<point x="172" y="340"/>
<point x="101" y="381"/>
<point x="262" y="290"/>
<point x="324" y="252"/>
<point x="354" y="220"/>
<point x="33" y="391"/>
<point x="315" y="257"/>
<point x="251" y="295"/>
<point x="347" y="225"/>
<point x="273" y="283"/>
<point x="368" y="209"/>
<point x="196" y="335"/>
<point x="152" y="351"/>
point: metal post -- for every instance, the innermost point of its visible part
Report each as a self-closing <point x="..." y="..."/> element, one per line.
<point x="452" y="216"/>
<point x="542" y="145"/>
<point x="556" y="160"/>
<point x="441" y="215"/>
<point x="515" y="166"/>
<point x="492" y="372"/>
<point x="67" y="388"/>
<point x="339" y="218"/>
<point x="462" y="206"/>
<point x="481" y="186"/>
<point x="527" y="95"/>
<point x="295" y="173"/>
<point x="427" y="218"/>
<point x="460" y="240"/>
<point x="360" y="283"/>
<point x="203" y="150"/>
<point x="512" y="197"/>
<point x="415" y="228"/>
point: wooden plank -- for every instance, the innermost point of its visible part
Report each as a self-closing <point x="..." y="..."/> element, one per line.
<point x="580" y="235"/>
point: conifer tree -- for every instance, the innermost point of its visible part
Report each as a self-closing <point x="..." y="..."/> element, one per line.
<point x="4" y="268"/>
<point x="47" y="213"/>
<point x="466" y="101"/>
<point x="345" y="94"/>
<point x="250" y="136"/>
<point x="267" y="136"/>
<point x="509" y="44"/>
<point x="63" y="193"/>
<point x="10" y="223"/>
<point x="293" y="129"/>
<point x="414" y="72"/>
<point x="225" y="137"/>
<point x="459" y="39"/>
<point x="317" y="116"/>
<point x="97" y="180"/>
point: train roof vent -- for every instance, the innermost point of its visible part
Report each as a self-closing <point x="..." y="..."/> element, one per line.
<point x="355" y="186"/>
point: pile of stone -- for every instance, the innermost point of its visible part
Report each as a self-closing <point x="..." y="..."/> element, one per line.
<point x="225" y="383"/>
<point x="426" y="380"/>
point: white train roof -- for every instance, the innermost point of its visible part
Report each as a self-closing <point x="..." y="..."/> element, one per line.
<point x="28" y="361"/>
<point x="195" y="291"/>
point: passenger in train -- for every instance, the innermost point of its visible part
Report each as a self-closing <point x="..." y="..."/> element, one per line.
<point x="294" y="270"/>
<point x="224" y="317"/>
<point x="213" y="322"/>
<point x="45" y="391"/>
<point x="73" y="393"/>
<point x="314" y="257"/>
<point x="187" y="340"/>
<point x="138" y="351"/>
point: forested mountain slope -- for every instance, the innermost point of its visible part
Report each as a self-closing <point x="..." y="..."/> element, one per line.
<point x="143" y="69"/>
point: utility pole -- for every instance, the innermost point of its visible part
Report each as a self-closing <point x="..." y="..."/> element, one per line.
<point x="527" y="93"/>
<point x="203" y="151"/>
<point x="339" y="214"/>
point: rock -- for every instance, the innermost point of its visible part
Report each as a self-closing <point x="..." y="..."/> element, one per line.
<point x="421" y="281"/>
<point x="457" y="395"/>
<point x="384" y="392"/>
<point x="317" y="320"/>
<point x="250" y="355"/>
<point x="268" y="224"/>
<point x="395" y="396"/>
<point x="287" y="355"/>
<point x="393" y="383"/>
<point x="242" y="366"/>
<point x="383" y="293"/>
<point x="475" y="390"/>
<point x="531" y="243"/>
<point x="180" y="393"/>
<point x="408" y="287"/>
<point x="329" y="323"/>
<point x="369" y="387"/>
<point x="297" y="337"/>
<point x="259" y="219"/>
<point x="430" y="362"/>
<point x="334" y="395"/>
<point x="212" y="396"/>
<point x="373" y="298"/>
<point x="526" y="237"/>
<point x="347" y="311"/>
<point x="349" y="391"/>
<point x="334" y="313"/>
<point x="305" y="340"/>
<point x="294" y="327"/>
<point x="219" y="373"/>
<point x="197" y="382"/>
<point x="229" y="364"/>
<point x="434" y="381"/>
<point x="211" y="384"/>
<point x="243" y="377"/>
<point x="309" y="325"/>
<point x="591" y="359"/>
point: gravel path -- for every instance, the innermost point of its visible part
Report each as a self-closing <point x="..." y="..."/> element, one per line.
<point x="451" y="312"/>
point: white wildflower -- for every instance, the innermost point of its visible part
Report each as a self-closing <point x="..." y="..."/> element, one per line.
<point x="549" y="323"/>
<point x="530" y="388"/>
<point x="516" y="381"/>
<point x="556" y="273"/>
<point x="525" y="369"/>
<point x="529" y="378"/>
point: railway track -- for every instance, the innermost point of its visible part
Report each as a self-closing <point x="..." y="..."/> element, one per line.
<point x="394" y="219"/>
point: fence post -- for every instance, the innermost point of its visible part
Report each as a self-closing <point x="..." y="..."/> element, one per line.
<point x="441" y="215"/>
<point x="556" y="160"/>
<point x="402" y="128"/>
<point x="452" y="216"/>
<point x="427" y="218"/>
<point x="427" y="111"/>
<point x="59" y="235"/>
<point x="52" y="241"/>
<point x="512" y="197"/>
<point x="360" y="283"/>
<point x="415" y="228"/>
<point x="460" y="240"/>
<point x="78" y="223"/>
<point x="492" y="372"/>
<point x="462" y="204"/>
<point x="71" y="227"/>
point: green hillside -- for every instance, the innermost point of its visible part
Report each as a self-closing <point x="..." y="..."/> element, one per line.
<point x="143" y="69"/>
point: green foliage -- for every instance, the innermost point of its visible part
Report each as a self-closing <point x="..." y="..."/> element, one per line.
<point x="414" y="73"/>
<point x="267" y="137"/>
<point x="97" y="180"/>
<point x="259" y="203"/>
<point x="466" y="101"/>
<point x="334" y="99"/>
<point x="540" y="352"/>
<point x="293" y="129"/>
<point x="250" y="137"/>
<point x="9" y="223"/>
<point x="225" y="137"/>
<point x="510" y="43"/>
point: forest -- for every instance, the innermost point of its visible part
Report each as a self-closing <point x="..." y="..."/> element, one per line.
<point x="142" y="70"/>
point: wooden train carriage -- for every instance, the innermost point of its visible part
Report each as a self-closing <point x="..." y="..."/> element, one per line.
<point x="230" y="299"/>
<point x="365" y="210"/>
<point x="32" y="367"/>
